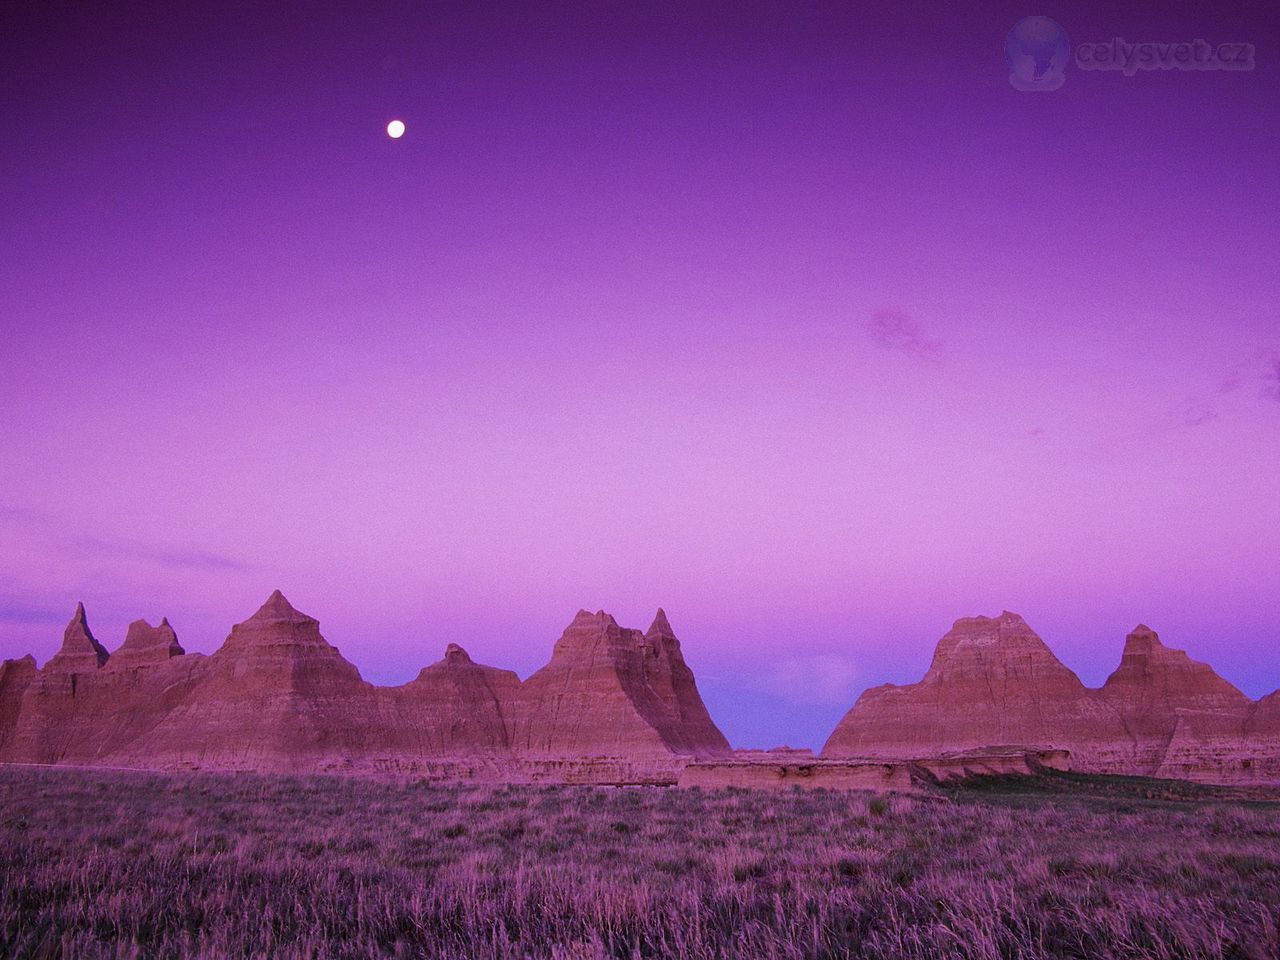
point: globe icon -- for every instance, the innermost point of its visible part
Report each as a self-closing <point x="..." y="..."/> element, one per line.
<point x="1037" y="51"/>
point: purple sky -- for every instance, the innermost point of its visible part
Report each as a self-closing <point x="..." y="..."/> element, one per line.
<point x="797" y="320"/>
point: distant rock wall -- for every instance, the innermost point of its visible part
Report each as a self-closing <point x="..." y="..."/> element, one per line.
<point x="614" y="703"/>
<point x="277" y="696"/>
<point x="993" y="682"/>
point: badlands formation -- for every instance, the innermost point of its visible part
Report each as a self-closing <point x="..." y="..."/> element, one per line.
<point x="612" y="704"/>
<point x="616" y="705"/>
<point x="993" y="681"/>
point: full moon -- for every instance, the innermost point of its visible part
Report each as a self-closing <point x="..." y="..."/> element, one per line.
<point x="395" y="129"/>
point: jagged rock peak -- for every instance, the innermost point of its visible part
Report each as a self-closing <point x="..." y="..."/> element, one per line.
<point x="145" y="643"/>
<point x="1007" y="620"/>
<point x="1142" y="640"/>
<point x="78" y="641"/>
<point x="20" y="667"/>
<point x="585" y="618"/>
<point x="279" y="608"/>
<point x="1007" y="630"/>
<point x="1146" y="662"/>
<point x="455" y="654"/>
<point x="661" y="626"/>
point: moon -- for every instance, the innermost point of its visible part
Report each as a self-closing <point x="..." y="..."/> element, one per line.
<point x="395" y="129"/>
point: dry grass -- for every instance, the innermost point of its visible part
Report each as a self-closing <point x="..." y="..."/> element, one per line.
<point x="100" y="864"/>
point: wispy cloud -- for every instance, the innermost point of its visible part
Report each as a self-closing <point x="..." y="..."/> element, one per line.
<point x="1192" y="414"/>
<point x="895" y="330"/>
<point x="174" y="556"/>
<point x="1271" y="381"/>
<point x="13" y="610"/>
<point x="168" y="556"/>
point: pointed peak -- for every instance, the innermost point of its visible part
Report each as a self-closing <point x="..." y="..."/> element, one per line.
<point x="661" y="626"/>
<point x="78" y="641"/>
<point x="278" y="607"/>
<point x="1142" y="641"/>
<point x="164" y="622"/>
<point x="455" y="654"/>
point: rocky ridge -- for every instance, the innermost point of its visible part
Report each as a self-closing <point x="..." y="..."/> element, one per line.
<point x="994" y="682"/>
<point x="278" y="696"/>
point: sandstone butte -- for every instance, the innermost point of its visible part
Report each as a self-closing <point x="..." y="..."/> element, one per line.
<point x="993" y="682"/>
<point x="277" y="696"/>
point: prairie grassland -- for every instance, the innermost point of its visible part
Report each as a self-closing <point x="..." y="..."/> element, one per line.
<point x="114" y="864"/>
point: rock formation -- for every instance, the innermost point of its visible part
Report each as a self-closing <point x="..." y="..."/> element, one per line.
<point x="1181" y="718"/>
<point x="455" y="707"/>
<point x="277" y="696"/>
<point x="993" y="682"/>
<point x="80" y="652"/>
<point x="15" y="677"/>
<point x="613" y="704"/>
<point x="610" y="691"/>
<point x="1262" y="737"/>
<point x="82" y="706"/>
<point x="145" y="645"/>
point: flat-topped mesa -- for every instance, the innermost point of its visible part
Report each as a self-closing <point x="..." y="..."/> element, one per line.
<point x="145" y="645"/>
<point x="80" y="651"/>
<point x="992" y="682"/>
<point x="611" y="691"/>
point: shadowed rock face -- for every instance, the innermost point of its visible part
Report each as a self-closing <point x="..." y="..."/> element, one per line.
<point x="610" y="691"/>
<point x="15" y="677"/>
<point x="993" y="682"/>
<point x="277" y="696"/>
<point x="1262" y="735"/>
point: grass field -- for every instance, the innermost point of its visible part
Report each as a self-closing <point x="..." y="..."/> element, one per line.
<point x="103" y="864"/>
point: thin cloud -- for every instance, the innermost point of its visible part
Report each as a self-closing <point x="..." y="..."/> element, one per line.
<point x="174" y="556"/>
<point x="1271" y="382"/>
<point x="168" y="556"/>
<point x="1194" y="415"/>
<point x="13" y="610"/>
<point x="894" y="330"/>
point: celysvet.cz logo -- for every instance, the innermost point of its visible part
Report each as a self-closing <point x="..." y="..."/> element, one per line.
<point x="1037" y="51"/>
<point x="1120" y="54"/>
